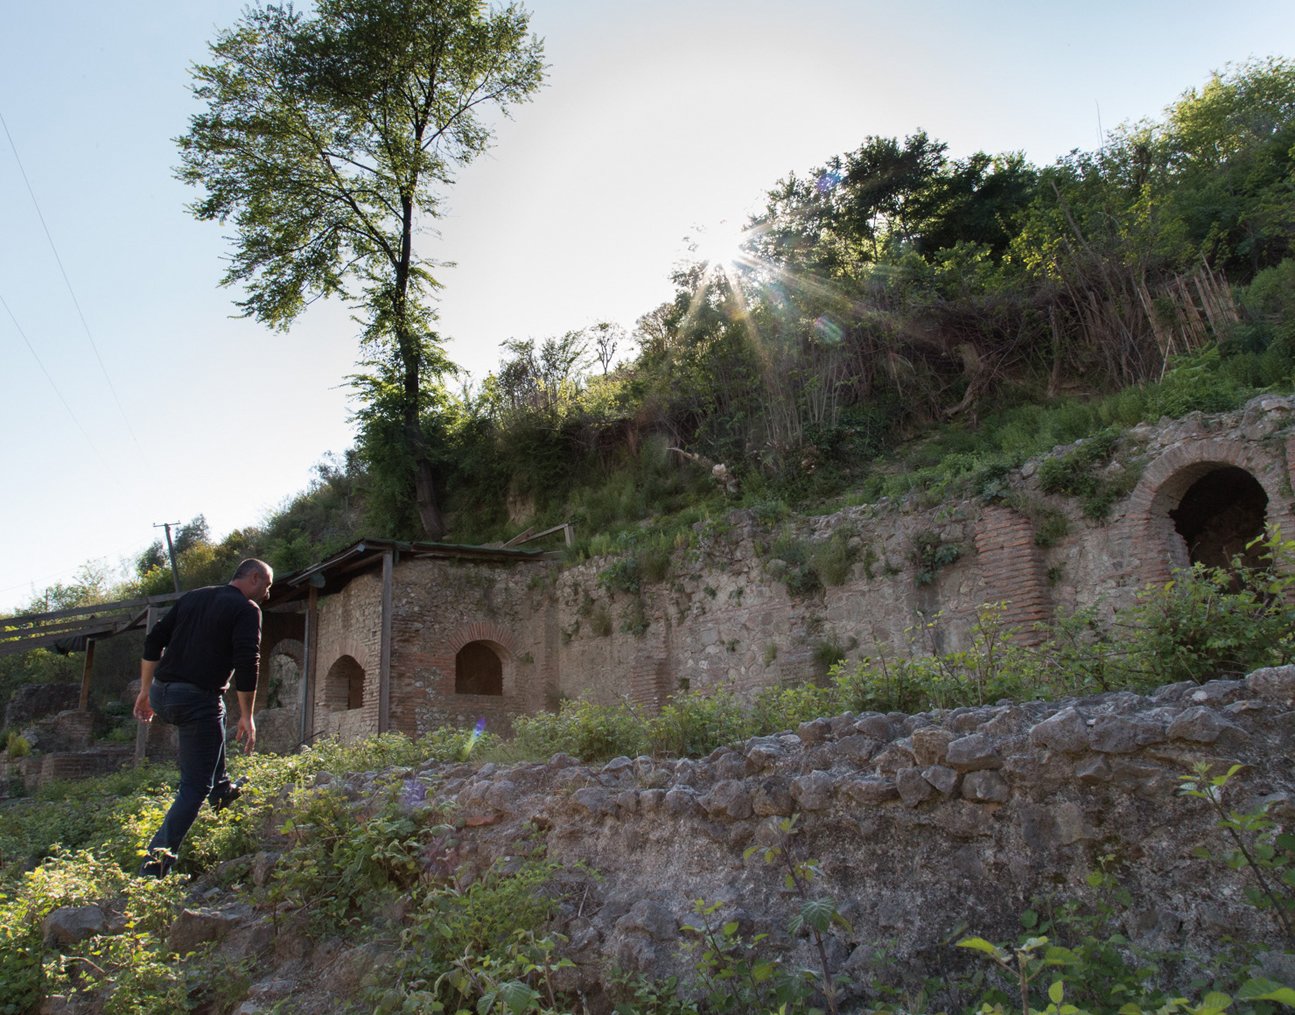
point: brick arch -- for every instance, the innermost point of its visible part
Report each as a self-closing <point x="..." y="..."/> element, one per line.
<point x="482" y="631"/>
<point x="1148" y="526"/>
<point x="500" y="639"/>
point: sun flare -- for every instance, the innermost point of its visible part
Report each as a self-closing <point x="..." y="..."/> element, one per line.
<point x="720" y="245"/>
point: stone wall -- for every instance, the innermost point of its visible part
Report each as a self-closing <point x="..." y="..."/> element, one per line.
<point x="922" y="824"/>
<point x="441" y="606"/>
<point x="925" y="828"/>
<point x="731" y="613"/>
<point x="725" y="616"/>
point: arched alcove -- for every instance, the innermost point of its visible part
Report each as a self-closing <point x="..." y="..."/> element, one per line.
<point x="478" y="669"/>
<point x="1219" y="515"/>
<point x="344" y="685"/>
<point x="281" y="675"/>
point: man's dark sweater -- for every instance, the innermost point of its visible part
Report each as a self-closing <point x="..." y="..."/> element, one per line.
<point x="208" y="633"/>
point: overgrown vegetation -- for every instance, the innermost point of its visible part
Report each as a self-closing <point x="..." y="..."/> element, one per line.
<point x="381" y="866"/>
<point x="901" y="324"/>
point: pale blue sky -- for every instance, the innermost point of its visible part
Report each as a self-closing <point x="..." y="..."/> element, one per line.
<point x="660" y="116"/>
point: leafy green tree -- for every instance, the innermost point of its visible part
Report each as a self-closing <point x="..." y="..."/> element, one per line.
<point x="326" y="139"/>
<point x="1230" y="160"/>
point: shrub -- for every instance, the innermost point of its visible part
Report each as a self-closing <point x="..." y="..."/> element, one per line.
<point x="582" y="729"/>
<point x="1213" y="622"/>
<point x="694" y="724"/>
<point x="930" y="553"/>
<point x="832" y="559"/>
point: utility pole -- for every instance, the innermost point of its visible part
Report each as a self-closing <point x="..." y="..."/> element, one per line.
<point x="170" y="550"/>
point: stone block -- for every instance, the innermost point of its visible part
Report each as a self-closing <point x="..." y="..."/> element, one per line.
<point x="973" y="753"/>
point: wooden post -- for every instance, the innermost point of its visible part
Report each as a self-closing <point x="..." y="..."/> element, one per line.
<point x="85" y="674"/>
<point x="308" y="665"/>
<point x="384" y="652"/>
<point x="142" y="729"/>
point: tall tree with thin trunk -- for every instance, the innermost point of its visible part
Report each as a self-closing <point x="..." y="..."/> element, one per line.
<point x="327" y="139"/>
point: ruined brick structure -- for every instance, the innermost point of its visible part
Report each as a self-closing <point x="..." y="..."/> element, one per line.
<point x="406" y="637"/>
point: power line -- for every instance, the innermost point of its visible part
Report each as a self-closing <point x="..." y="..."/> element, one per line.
<point x="32" y="349"/>
<point x="68" y="282"/>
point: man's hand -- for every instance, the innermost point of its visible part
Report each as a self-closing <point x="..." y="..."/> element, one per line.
<point x="143" y="710"/>
<point x="246" y="734"/>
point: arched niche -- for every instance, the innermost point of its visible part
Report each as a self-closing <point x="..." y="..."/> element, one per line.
<point x="344" y="685"/>
<point x="479" y="669"/>
<point x="1221" y="514"/>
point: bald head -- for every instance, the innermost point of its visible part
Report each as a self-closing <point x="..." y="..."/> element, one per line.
<point x="253" y="578"/>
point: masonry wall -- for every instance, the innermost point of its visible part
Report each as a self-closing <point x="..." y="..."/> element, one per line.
<point x="726" y="616"/>
<point x="730" y="613"/>
<point x="350" y="626"/>
<point x="442" y="605"/>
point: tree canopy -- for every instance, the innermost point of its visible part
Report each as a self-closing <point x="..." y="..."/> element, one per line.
<point x="326" y="140"/>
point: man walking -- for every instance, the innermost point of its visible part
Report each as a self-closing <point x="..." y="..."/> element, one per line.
<point x="209" y="634"/>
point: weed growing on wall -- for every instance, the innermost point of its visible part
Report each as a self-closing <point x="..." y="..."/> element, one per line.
<point x="929" y="554"/>
<point x="1089" y="473"/>
<point x="475" y="947"/>
<point x="1257" y="845"/>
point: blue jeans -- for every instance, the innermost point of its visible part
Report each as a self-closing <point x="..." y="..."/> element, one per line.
<point x="199" y="718"/>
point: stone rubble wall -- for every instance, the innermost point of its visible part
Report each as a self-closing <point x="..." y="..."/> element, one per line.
<point x="724" y="616"/>
<point x="922" y="824"/>
<point x="925" y="828"/>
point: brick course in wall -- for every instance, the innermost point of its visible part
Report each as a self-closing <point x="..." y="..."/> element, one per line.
<point x="1013" y="571"/>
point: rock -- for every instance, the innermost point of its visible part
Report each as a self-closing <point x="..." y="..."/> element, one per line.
<point x="973" y="753"/>
<point x="931" y="744"/>
<point x="943" y="778"/>
<point x="912" y="786"/>
<point x="1218" y="692"/>
<point x="772" y="797"/>
<point x="680" y="801"/>
<point x="69" y="925"/>
<point x="729" y="799"/>
<point x="1200" y="725"/>
<point x="894" y="756"/>
<point x="1276" y="683"/>
<point x="194" y="927"/>
<point x="813" y="792"/>
<point x="857" y="748"/>
<point x="877" y="726"/>
<point x="1094" y="770"/>
<point x="985" y="786"/>
<point x="35" y="701"/>
<point x="593" y="801"/>
<point x="816" y="731"/>
<point x="1112" y="734"/>
<point x="1065" y="732"/>
<point x="870" y="790"/>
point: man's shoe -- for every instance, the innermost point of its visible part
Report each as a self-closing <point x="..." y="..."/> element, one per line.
<point x="232" y="793"/>
<point x="158" y="864"/>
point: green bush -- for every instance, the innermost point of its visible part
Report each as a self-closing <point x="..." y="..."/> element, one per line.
<point x="693" y="725"/>
<point x="832" y="559"/>
<point x="582" y="729"/>
<point x="1086" y="472"/>
<point x="1212" y="622"/>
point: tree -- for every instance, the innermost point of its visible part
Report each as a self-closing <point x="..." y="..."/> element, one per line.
<point x="326" y="139"/>
<point x="1230" y="152"/>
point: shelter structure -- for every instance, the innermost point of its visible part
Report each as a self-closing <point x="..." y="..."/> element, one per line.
<point x="393" y="636"/>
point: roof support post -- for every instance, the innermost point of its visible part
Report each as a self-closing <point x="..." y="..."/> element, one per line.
<point x="308" y="666"/>
<point x="152" y="616"/>
<point x="85" y="674"/>
<point x="384" y="651"/>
